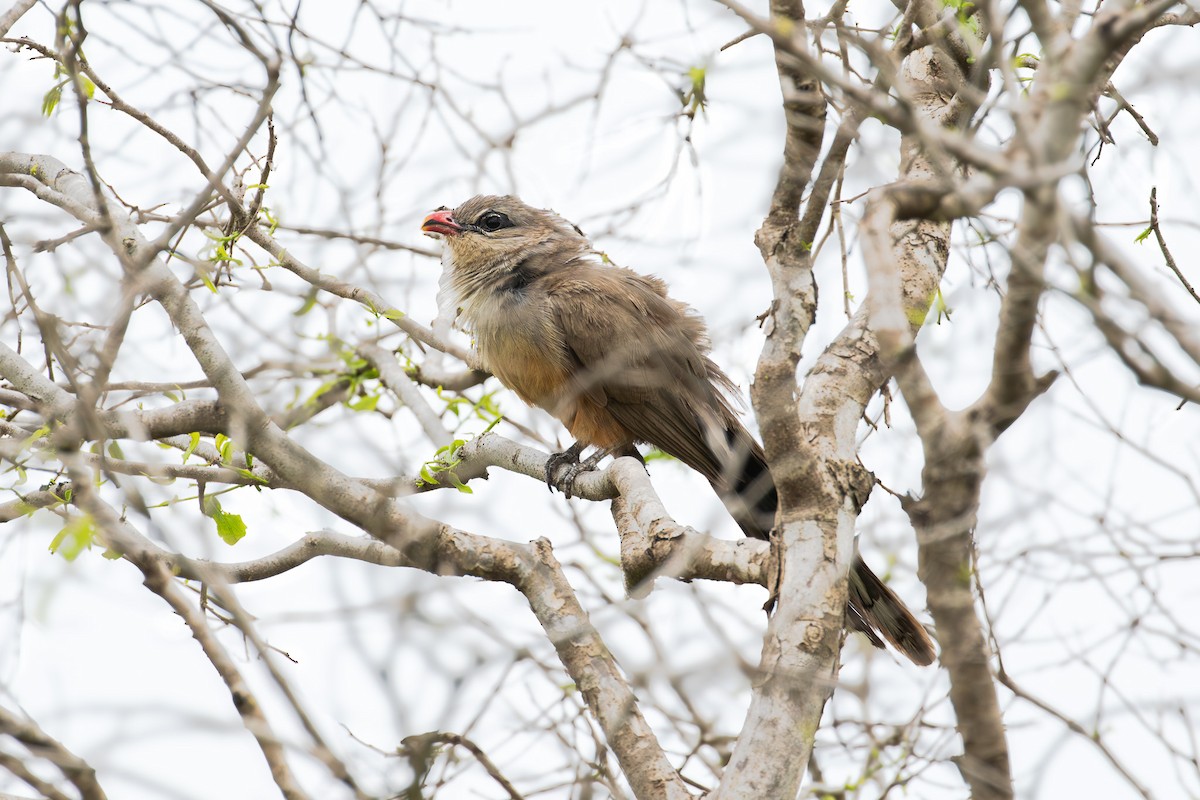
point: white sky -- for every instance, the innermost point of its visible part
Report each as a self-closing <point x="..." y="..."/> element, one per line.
<point x="109" y="671"/>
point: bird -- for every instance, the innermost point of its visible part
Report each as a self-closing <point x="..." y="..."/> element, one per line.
<point x="611" y="355"/>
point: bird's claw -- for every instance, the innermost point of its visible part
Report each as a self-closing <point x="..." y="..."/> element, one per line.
<point x="564" y="478"/>
<point x="563" y="468"/>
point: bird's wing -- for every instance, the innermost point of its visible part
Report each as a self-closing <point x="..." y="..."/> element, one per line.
<point x="643" y="358"/>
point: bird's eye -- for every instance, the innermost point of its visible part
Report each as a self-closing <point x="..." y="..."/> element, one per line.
<point x="494" y="221"/>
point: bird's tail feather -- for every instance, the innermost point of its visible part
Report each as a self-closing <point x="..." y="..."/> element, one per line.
<point x="872" y="608"/>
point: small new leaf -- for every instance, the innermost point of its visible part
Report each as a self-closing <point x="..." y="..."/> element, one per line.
<point x="50" y="100"/>
<point x="272" y="221"/>
<point x="939" y="305"/>
<point x="248" y="475"/>
<point x="33" y="437"/>
<point x="193" y="442"/>
<point x="230" y="527"/>
<point x="310" y="302"/>
<point x="208" y="281"/>
<point x="75" y="537"/>
<point x="224" y="447"/>
<point x="693" y="97"/>
<point x="366" y="403"/>
<point x="443" y="462"/>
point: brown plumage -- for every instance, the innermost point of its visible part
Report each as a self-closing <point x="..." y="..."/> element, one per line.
<point x="608" y="353"/>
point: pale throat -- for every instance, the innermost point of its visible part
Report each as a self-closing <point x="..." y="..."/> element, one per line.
<point x="465" y="287"/>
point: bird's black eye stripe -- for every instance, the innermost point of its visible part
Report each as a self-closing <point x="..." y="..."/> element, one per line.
<point x="493" y="221"/>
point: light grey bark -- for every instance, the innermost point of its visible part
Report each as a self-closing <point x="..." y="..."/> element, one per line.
<point x="14" y="13"/>
<point x="926" y="90"/>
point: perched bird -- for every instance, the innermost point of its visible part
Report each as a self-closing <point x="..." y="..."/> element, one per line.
<point x="618" y="362"/>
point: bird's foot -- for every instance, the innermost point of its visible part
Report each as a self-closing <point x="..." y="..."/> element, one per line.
<point x="558" y="463"/>
<point x="563" y="468"/>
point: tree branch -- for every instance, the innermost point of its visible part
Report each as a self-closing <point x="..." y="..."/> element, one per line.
<point x="40" y="744"/>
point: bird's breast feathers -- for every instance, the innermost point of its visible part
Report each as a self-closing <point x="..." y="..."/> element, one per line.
<point x="518" y="341"/>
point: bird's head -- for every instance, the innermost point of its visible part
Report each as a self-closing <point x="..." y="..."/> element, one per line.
<point x="489" y="236"/>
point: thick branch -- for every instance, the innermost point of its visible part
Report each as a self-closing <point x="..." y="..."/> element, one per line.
<point x="595" y="672"/>
<point x="944" y="519"/>
<point x="654" y="545"/>
<point x="905" y="262"/>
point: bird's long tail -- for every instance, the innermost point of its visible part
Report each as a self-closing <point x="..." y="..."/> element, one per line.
<point x="872" y="608"/>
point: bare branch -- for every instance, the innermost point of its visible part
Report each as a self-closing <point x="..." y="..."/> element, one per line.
<point x="121" y="537"/>
<point x="13" y="14"/>
<point x="419" y="750"/>
<point x="395" y="379"/>
<point x="1162" y="245"/>
<point x="42" y="745"/>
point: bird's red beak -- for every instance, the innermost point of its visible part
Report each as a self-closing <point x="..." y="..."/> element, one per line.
<point x="441" y="221"/>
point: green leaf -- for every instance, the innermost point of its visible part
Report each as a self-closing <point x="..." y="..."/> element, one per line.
<point x="940" y="306"/>
<point x="75" y="537"/>
<point x="230" y="527"/>
<point x="426" y="477"/>
<point x="273" y="222"/>
<point x="693" y="98"/>
<point x="245" y="473"/>
<point x="51" y="98"/>
<point x="33" y="437"/>
<point x="320" y="390"/>
<point x="310" y="301"/>
<point x="193" y="442"/>
<point x="212" y="287"/>
<point x="367" y="403"/>
<point x="1144" y="235"/>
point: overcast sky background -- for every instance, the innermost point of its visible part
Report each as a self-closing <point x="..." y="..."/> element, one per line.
<point x="1095" y="468"/>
